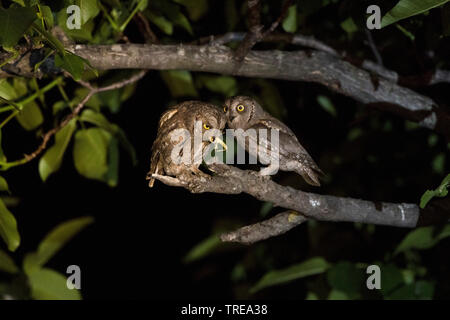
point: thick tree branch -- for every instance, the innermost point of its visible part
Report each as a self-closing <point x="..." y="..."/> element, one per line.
<point x="312" y="66"/>
<point x="321" y="67"/>
<point x="231" y="180"/>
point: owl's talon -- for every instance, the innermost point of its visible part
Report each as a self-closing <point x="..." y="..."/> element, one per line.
<point x="170" y="181"/>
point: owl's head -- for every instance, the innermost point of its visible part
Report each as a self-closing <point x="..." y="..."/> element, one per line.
<point x="211" y="119"/>
<point x="240" y="110"/>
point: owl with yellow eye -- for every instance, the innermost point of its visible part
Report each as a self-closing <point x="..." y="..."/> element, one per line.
<point x="245" y="113"/>
<point x="187" y="117"/>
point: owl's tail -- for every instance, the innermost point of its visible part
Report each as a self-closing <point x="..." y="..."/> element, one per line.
<point x="311" y="175"/>
<point x="151" y="181"/>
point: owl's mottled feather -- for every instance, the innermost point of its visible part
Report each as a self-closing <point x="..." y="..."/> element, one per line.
<point x="181" y="116"/>
<point x="292" y="155"/>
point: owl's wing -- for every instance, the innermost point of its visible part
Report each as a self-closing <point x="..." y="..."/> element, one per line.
<point x="166" y="116"/>
<point x="289" y="148"/>
<point x="155" y="166"/>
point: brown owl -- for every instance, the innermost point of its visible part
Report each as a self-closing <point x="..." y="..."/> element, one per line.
<point x="174" y="151"/>
<point x="245" y="113"/>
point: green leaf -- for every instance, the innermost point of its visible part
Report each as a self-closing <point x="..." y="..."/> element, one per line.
<point x="311" y="296"/>
<point x="391" y="279"/>
<point x="290" y="22"/>
<point x="47" y="15"/>
<point x="8" y="228"/>
<point x="424" y="290"/>
<point x="112" y="176"/>
<point x="202" y="249"/>
<point x="440" y="191"/>
<point x="30" y="117"/>
<point x="224" y="85"/>
<point x="160" y="21"/>
<point x="88" y="8"/>
<point x="99" y="120"/>
<point x="349" y="26"/>
<point x="71" y="63"/>
<point x="422" y="238"/>
<point x="438" y="163"/>
<point x="20" y="86"/>
<point x="51" y="161"/>
<point x="53" y="242"/>
<point x="345" y="277"/>
<point x="408" y="8"/>
<point x="421" y="290"/>
<point x="337" y="295"/>
<point x="3" y="184"/>
<point x="307" y="268"/>
<point x="14" y="22"/>
<point x="405" y="292"/>
<point x="90" y="153"/>
<point x="7" y="263"/>
<point x="327" y="105"/>
<point x="195" y="8"/>
<point x="7" y="91"/>
<point x="80" y="93"/>
<point x="83" y="34"/>
<point x="111" y="99"/>
<point x="173" y="12"/>
<point x="180" y="83"/>
<point x="47" y="284"/>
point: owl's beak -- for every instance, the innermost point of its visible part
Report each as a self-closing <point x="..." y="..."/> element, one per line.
<point x="220" y="141"/>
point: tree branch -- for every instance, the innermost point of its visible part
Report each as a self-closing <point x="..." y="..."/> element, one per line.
<point x="277" y="225"/>
<point x="320" y="67"/>
<point x="324" y="67"/>
<point x="231" y="180"/>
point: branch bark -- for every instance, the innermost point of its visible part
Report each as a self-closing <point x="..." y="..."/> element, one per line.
<point x="320" y="67"/>
<point x="232" y="180"/>
<point x="277" y="225"/>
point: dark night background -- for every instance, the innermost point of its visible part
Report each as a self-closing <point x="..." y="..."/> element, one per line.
<point x="136" y="245"/>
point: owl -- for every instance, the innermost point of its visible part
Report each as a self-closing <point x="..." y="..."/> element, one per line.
<point x="245" y="113"/>
<point x="174" y="151"/>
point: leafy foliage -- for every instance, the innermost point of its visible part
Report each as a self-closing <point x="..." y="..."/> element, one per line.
<point x="408" y="8"/>
<point x="307" y="268"/>
<point x="94" y="140"/>
<point x="440" y="191"/>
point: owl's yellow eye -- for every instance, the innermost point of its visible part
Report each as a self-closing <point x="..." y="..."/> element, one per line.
<point x="225" y="109"/>
<point x="240" y="108"/>
<point x="206" y="127"/>
<point x="212" y="139"/>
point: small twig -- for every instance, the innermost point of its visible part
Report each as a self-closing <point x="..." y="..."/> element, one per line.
<point x="277" y="225"/>
<point x="145" y="29"/>
<point x="256" y="33"/>
<point x="373" y="47"/>
<point x="275" y="24"/>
